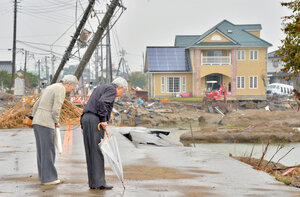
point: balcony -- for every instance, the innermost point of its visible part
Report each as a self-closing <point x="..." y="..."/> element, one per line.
<point x="216" y="60"/>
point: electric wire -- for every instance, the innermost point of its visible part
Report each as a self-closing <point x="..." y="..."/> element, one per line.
<point x="65" y="31"/>
<point x="44" y="44"/>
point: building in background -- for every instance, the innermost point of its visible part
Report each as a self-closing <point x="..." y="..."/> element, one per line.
<point x="6" y="66"/>
<point x="227" y="54"/>
<point x="274" y="65"/>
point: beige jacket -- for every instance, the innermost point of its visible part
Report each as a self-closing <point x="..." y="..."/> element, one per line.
<point x="46" y="110"/>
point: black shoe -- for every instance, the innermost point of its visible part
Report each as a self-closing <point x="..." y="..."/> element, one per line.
<point x="102" y="187"/>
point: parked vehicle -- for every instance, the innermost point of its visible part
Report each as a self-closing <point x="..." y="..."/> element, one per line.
<point x="279" y="89"/>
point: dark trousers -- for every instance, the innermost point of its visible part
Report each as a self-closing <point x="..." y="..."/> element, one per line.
<point x="45" y="148"/>
<point x="94" y="157"/>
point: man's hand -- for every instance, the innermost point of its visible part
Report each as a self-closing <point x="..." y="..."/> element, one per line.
<point x="103" y="124"/>
<point x="57" y="125"/>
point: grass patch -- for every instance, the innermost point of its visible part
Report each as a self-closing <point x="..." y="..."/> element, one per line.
<point x="230" y="126"/>
<point x="286" y="181"/>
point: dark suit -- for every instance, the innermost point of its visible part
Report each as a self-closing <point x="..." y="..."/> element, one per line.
<point x="98" y="109"/>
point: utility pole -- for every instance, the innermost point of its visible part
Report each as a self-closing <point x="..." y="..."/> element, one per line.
<point x="102" y="80"/>
<point x="143" y="64"/>
<point x="121" y="62"/>
<point x="73" y="41"/>
<point x="108" y="57"/>
<point x="96" y="66"/>
<point x="13" y="70"/>
<point x="53" y="58"/>
<point x="97" y="37"/>
<point x="25" y="69"/>
<point x="47" y="69"/>
<point x="39" y="76"/>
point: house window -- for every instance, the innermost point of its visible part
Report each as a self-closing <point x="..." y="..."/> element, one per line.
<point x="253" y="55"/>
<point x="275" y="63"/>
<point x="183" y="84"/>
<point x="240" y="82"/>
<point x="173" y="84"/>
<point x="241" y="55"/>
<point x="253" y="82"/>
<point x="162" y="84"/>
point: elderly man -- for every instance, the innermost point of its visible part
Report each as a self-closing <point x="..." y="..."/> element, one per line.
<point x="46" y="113"/>
<point x="96" y="111"/>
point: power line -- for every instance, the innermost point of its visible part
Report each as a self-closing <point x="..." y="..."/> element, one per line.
<point x="45" y="18"/>
<point x="66" y="31"/>
<point x="40" y="43"/>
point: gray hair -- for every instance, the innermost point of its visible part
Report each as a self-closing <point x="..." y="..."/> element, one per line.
<point x="119" y="81"/>
<point x="70" y="79"/>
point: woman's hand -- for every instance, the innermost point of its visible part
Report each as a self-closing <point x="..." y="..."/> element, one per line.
<point x="57" y="125"/>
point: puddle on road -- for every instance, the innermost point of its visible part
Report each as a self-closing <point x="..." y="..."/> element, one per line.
<point x="204" y="172"/>
<point x="151" y="173"/>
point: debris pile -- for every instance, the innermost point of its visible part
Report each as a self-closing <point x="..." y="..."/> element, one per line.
<point x="6" y="100"/>
<point x="288" y="175"/>
<point x="13" y="118"/>
<point x="70" y="114"/>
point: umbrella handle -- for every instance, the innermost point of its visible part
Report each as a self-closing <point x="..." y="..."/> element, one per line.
<point x="103" y="128"/>
<point x="123" y="185"/>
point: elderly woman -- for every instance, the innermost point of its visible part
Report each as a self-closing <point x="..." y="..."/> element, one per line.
<point x="96" y="111"/>
<point x="46" y="113"/>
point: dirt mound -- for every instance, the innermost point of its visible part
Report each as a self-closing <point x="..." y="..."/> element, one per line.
<point x="262" y="133"/>
<point x="13" y="118"/>
<point x="255" y="117"/>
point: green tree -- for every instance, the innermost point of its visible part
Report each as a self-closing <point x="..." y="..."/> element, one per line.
<point x="138" y="79"/>
<point x="32" y="79"/>
<point x="5" y="78"/>
<point x="290" y="49"/>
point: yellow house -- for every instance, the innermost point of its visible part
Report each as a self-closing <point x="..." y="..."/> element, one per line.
<point x="227" y="54"/>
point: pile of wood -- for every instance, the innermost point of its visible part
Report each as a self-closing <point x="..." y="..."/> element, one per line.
<point x="13" y="118"/>
<point x="70" y="114"/>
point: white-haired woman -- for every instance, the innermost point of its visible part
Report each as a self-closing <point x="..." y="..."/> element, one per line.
<point x="46" y="113"/>
<point x="96" y="111"/>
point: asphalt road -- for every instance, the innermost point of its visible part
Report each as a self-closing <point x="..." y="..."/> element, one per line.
<point x="148" y="170"/>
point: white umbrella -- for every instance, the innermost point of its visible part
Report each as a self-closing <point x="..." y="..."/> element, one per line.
<point x="109" y="147"/>
<point x="58" y="143"/>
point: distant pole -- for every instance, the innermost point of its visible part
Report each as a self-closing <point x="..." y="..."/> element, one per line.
<point x="143" y="64"/>
<point x="13" y="70"/>
<point x="72" y="43"/>
<point x="47" y="69"/>
<point x="25" y="69"/>
<point x="102" y="80"/>
<point x="97" y="37"/>
<point x="108" y="57"/>
<point x="52" y="66"/>
<point x="39" y="75"/>
<point x="96" y="66"/>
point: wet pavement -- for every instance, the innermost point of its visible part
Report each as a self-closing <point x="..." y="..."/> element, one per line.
<point x="148" y="170"/>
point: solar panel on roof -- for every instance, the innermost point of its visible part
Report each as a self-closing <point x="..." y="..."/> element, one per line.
<point x="166" y="59"/>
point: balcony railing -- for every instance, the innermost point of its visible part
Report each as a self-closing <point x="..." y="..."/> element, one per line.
<point x="216" y="60"/>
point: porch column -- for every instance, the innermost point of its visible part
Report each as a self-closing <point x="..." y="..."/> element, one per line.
<point x="233" y="71"/>
<point x="197" y="75"/>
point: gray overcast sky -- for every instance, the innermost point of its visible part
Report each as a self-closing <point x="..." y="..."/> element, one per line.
<point x="144" y="23"/>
